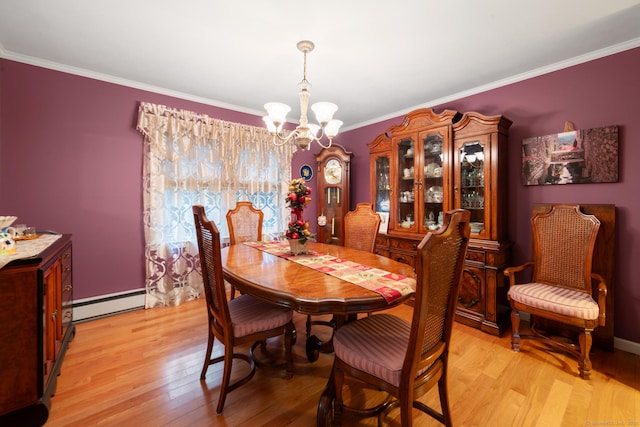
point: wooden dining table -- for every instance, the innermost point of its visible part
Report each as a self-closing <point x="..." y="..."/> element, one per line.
<point x="282" y="281"/>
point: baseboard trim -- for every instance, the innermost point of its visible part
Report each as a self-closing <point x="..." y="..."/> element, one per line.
<point x="107" y="305"/>
<point x="625" y="345"/>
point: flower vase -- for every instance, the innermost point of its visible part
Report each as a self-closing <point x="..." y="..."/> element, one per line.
<point x="297" y="247"/>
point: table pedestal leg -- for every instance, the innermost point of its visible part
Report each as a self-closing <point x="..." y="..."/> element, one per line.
<point x="315" y="345"/>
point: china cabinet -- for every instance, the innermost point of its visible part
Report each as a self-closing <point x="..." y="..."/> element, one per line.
<point x="432" y="163"/>
<point x="480" y="186"/>
<point x="333" y="193"/>
<point x="409" y="179"/>
<point x="36" y="296"/>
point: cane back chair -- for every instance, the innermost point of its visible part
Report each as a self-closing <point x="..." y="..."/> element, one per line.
<point x="407" y="359"/>
<point x="560" y="288"/>
<point x="245" y="223"/>
<point x="361" y="228"/>
<point x="241" y="320"/>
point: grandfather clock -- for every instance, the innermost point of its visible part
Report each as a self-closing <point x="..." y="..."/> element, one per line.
<point x="333" y="193"/>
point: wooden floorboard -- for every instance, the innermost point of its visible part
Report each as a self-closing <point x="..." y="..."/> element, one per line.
<point x="142" y="369"/>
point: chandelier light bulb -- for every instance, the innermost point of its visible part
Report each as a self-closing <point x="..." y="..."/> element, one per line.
<point x="332" y="128"/>
<point x="277" y="112"/>
<point x="313" y="129"/>
<point x="324" y="111"/>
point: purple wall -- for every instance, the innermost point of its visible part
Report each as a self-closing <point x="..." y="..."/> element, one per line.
<point x="71" y="160"/>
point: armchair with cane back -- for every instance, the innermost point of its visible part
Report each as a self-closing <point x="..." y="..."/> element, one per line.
<point x="242" y="320"/>
<point x="560" y="288"/>
<point x="405" y="359"/>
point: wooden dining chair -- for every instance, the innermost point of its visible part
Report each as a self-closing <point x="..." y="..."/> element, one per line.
<point x="407" y="359"/>
<point x="561" y="286"/>
<point x="241" y="320"/>
<point x="245" y="223"/>
<point x="361" y="228"/>
<point x="360" y="232"/>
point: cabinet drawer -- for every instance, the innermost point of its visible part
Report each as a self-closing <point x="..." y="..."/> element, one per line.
<point x="408" y="245"/>
<point x="382" y="240"/>
<point x="475" y="255"/>
<point x="403" y="258"/>
<point x="383" y="252"/>
<point x="65" y="259"/>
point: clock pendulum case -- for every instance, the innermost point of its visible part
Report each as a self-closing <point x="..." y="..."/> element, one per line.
<point x="333" y="191"/>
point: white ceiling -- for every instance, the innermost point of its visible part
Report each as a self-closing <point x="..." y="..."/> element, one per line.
<point x="375" y="59"/>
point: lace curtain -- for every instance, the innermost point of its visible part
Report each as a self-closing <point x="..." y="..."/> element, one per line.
<point x="193" y="159"/>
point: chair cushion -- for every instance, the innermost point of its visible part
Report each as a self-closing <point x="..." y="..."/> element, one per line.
<point x="375" y="344"/>
<point x="250" y="315"/>
<point x="556" y="299"/>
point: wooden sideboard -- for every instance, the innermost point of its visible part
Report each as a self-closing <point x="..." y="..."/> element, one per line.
<point x="36" y="296"/>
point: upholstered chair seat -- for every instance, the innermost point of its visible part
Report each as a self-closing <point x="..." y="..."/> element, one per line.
<point x="567" y="302"/>
<point x="250" y="315"/>
<point x="377" y="345"/>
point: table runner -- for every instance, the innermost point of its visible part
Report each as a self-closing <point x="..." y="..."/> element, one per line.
<point x="389" y="285"/>
<point x="29" y="248"/>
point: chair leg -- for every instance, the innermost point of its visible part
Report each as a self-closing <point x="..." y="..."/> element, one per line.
<point x="444" y="398"/>
<point x="515" y="328"/>
<point x="338" y="404"/>
<point x="288" y="344"/>
<point x="406" y="408"/>
<point x="226" y="377"/>
<point x="207" y="356"/>
<point x="584" y="363"/>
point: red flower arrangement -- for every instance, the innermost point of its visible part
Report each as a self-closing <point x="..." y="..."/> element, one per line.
<point x="297" y="199"/>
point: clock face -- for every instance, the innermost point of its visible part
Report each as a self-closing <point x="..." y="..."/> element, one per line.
<point x="333" y="172"/>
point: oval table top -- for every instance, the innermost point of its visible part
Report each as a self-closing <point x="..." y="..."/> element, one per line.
<point x="304" y="289"/>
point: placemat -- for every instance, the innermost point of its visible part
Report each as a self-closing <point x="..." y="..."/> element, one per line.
<point x="390" y="285"/>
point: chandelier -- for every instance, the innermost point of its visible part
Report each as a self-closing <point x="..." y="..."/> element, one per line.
<point x="305" y="132"/>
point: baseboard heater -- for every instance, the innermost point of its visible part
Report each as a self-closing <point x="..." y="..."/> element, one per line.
<point x="107" y="305"/>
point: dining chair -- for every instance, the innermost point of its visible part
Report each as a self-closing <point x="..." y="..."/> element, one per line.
<point x="562" y="287"/>
<point x="245" y="223"/>
<point x="361" y="228"/>
<point x="400" y="358"/>
<point x="239" y="321"/>
<point x="360" y="232"/>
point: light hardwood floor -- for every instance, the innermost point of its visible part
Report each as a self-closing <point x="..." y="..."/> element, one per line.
<point x="142" y="368"/>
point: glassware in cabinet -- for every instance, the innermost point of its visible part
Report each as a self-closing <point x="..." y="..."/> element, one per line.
<point x="471" y="158"/>
<point x="383" y="184"/>
<point x="433" y="172"/>
<point x="406" y="183"/>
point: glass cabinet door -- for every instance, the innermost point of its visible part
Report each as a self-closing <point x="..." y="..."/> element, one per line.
<point x="432" y="181"/>
<point x="406" y="196"/>
<point x="472" y="169"/>
<point x="383" y="184"/>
